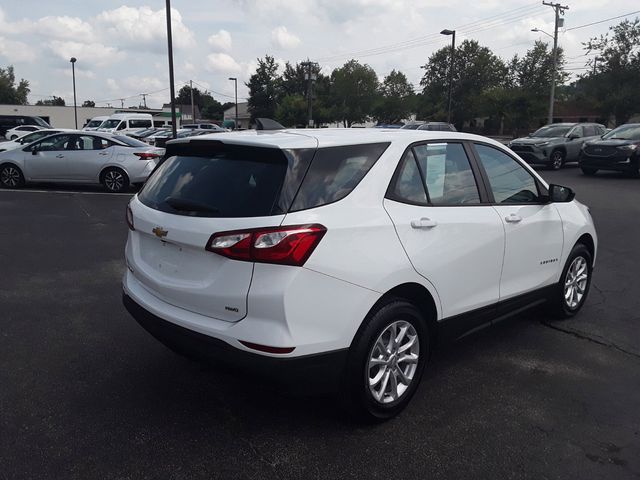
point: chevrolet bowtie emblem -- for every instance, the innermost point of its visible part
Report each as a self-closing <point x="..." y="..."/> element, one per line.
<point x="160" y="232"/>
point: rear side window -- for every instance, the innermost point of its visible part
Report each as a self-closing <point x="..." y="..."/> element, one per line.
<point x="234" y="181"/>
<point x="335" y="172"/>
<point x="139" y="123"/>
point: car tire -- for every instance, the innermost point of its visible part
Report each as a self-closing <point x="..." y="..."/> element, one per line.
<point x="571" y="292"/>
<point x="11" y="176"/>
<point x="380" y="376"/>
<point x="13" y="137"/>
<point x="556" y="159"/>
<point x="114" y="180"/>
<point x="589" y="171"/>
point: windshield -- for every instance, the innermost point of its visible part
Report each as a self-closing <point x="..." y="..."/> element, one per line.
<point x="94" y="123"/>
<point x="625" y="132"/>
<point x="113" y="123"/>
<point x="132" y="142"/>
<point x="551" y="131"/>
<point x="41" y="122"/>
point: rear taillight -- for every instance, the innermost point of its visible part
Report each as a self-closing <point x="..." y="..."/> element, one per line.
<point x="147" y="155"/>
<point x="129" y="216"/>
<point x="286" y="245"/>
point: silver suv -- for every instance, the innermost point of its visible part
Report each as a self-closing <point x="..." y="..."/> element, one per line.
<point x="554" y="145"/>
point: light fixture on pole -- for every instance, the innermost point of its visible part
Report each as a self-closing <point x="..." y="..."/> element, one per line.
<point x="541" y="31"/>
<point x="453" y="50"/>
<point x="559" y="22"/>
<point x="172" y="89"/>
<point x="235" y="81"/>
<point x="73" y="74"/>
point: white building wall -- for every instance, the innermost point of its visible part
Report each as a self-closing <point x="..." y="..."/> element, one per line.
<point x="61" y="117"/>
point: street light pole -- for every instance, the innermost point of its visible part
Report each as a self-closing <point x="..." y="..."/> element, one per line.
<point x="235" y="81"/>
<point x="172" y="90"/>
<point x="73" y="74"/>
<point x="453" y="52"/>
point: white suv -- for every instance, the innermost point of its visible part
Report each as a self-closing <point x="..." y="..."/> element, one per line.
<point x="347" y="252"/>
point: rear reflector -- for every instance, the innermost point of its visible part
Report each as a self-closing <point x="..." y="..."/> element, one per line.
<point x="266" y="348"/>
<point x="285" y="245"/>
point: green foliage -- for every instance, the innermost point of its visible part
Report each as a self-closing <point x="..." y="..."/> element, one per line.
<point x="10" y="93"/>
<point x="53" y="101"/>
<point x="88" y="103"/>
<point x="614" y="87"/>
<point x="395" y="100"/>
<point x="353" y="91"/>
<point x="292" y="110"/>
<point x="264" y="89"/>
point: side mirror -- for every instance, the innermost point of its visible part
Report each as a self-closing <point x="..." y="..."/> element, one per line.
<point x="34" y="151"/>
<point x="560" y="194"/>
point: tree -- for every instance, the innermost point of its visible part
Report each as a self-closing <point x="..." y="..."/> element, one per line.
<point x="292" y="110"/>
<point x="184" y="96"/>
<point x="613" y="88"/>
<point x="10" y="93"/>
<point x="396" y="97"/>
<point x="264" y="89"/>
<point x="353" y="92"/>
<point x="53" y="101"/>
<point x="476" y="71"/>
<point x="89" y="103"/>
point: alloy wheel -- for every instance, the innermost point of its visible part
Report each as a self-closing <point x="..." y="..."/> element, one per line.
<point x="10" y="177"/>
<point x="114" y="180"/>
<point x="556" y="160"/>
<point x="393" y="361"/>
<point x="575" y="282"/>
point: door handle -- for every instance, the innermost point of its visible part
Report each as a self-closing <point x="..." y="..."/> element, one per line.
<point x="60" y="156"/>
<point x="423" y="223"/>
<point x="103" y="153"/>
<point x="513" y="218"/>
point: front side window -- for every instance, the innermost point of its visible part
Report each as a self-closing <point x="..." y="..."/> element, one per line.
<point x="335" y="172"/>
<point x="55" y="143"/>
<point x="89" y="142"/>
<point x="510" y="182"/>
<point x="576" y="132"/>
<point x="447" y="173"/>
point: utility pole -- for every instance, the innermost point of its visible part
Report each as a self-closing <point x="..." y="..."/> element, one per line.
<point x="73" y="73"/>
<point x="122" y="103"/>
<point x="310" y="77"/>
<point x="172" y="90"/>
<point x="559" y="10"/>
<point x="193" y="110"/>
<point x="144" y="99"/>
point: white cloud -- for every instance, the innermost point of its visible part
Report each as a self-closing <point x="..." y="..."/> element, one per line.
<point x="144" y="27"/>
<point x="80" y="73"/>
<point x="221" y="40"/>
<point x="143" y="84"/>
<point x="16" y="51"/>
<point x="112" y="85"/>
<point x="188" y="67"/>
<point x="93" y="54"/>
<point x="64" y="28"/>
<point x="222" y="63"/>
<point x="281" y="38"/>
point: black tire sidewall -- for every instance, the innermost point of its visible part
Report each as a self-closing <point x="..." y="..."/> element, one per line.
<point x="20" y="182"/>
<point x="562" y="308"/>
<point x="125" y="185"/>
<point x="360" y="401"/>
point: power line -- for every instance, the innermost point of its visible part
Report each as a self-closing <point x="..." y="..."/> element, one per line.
<point x="601" y="21"/>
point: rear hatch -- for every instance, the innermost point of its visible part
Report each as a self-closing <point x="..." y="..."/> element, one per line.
<point x="201" y="189"/>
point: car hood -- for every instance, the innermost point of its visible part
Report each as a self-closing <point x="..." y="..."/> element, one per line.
<point x="534" y="140"/>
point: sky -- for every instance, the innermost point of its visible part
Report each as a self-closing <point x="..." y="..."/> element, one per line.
<point x="121" y="48"/>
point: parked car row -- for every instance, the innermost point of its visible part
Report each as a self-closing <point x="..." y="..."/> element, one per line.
<point x="591" y="145"/>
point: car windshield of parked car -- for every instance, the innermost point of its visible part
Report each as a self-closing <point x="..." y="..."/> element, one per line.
<point x="41" y="122"/>
<point x="131" y="142"/>
<point x="94" y="124"/>
<point x="113" y="123"/>
<point x="625" y="132"/>
<point x="548" y="132"/>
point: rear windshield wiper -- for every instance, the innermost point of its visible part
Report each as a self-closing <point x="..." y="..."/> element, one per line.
<point x="186" y="205"/>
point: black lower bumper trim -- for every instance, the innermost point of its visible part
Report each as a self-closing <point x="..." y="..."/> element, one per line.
<point x="321" y="368"/>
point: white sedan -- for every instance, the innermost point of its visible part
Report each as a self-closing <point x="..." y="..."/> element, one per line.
<point x="31" y="137"/>
<point x="80" y="157"/>
<point x="18" y="132"/>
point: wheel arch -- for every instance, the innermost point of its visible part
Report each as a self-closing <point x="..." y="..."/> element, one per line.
<point x="587" y="240"/>
<point x="111" y="166"/>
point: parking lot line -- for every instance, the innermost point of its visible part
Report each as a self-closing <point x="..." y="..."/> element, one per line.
<point x="68" y="191"/>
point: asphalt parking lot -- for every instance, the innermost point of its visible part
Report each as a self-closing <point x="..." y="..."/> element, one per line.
<point x="86" y="393"/>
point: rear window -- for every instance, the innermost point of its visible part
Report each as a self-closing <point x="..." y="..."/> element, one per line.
<point x="335" y="172"/>
<point x="217" y="180"/>
<point x="139" y="123"/>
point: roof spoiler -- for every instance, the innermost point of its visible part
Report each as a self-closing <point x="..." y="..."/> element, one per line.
<point x="267" y="124"/>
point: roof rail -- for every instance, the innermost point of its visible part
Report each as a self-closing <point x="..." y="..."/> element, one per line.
<point x="267" y="124"/>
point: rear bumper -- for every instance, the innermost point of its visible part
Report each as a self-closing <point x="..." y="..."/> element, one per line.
<point x="321" y="369"/>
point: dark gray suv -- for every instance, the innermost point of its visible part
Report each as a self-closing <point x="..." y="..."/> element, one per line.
<point x="554" y="145"/>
